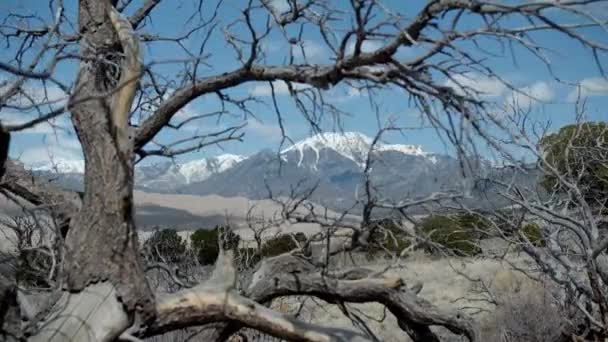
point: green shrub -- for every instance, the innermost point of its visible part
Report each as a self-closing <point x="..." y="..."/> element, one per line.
<point x="474" y="222"/>
<point x="300" y="237"/>
<point x="507" y="220"/>
<point x="281" y="244"/>
<point x="387" y="237"/>
<point x="166" y="245"/>
<point x="579" y="147"/>
<point x="205" y="243"/>
<point x="458" y="233"/>
<point x="533" y="233"/>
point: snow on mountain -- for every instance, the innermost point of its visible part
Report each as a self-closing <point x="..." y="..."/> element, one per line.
<point x="199" y="170"/>
<point x="318" y="153"/>
<point x="170" y="173"/>
<point x="352" y="145"/>
<point x="59" y="166"/>
<point x="405" y="149"/>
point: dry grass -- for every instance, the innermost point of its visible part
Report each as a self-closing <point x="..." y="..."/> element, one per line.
<point x="446" y="285"/>
<point x="446" y="281"/>
<point x="526" y="311"/>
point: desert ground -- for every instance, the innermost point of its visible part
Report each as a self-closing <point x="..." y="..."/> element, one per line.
<point x="449" y="283"/>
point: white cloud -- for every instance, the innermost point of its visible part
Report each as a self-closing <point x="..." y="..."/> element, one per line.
<point x="43" y="155"/>
<point x="270" y="47"/>
<point x="310" y="48"/>
<point x="367" y="46"/>
<point x="539" y="92"/>
<point x="280" y="88"/>
<point x="51" y="126"/>
<point x="260" y="129"/>
<point x="47" y="94"/>
<point x="353" y="92"/>
<point x="594" y="86"/>
<point x="345" y="93"/>
<point x="53" y="148"/>
<point x="38" y="94"/>
<point x="186" y="112"/>
<point x="473" y="82"/>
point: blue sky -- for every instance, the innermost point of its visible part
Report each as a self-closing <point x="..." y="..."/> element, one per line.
<point x="571" y="63"/>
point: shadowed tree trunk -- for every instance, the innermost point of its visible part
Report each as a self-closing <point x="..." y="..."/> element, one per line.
<point x="10" y="329"/>
<point x="5" y="139"/>
<point x="101" y="244"/>
<point x="10" y="319"/>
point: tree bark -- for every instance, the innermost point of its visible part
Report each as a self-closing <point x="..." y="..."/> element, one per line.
<point x="103" y="244"/>
<point x="288" y="275"/>
<point x="5" y="139"/>
<point x="285" y="275"/>
<point x="10" y="318"/>
<point x="60" y="203"/>
<point x="102" y="257"/>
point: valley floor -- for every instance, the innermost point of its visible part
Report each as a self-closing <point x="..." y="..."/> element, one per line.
<point x="449" y="283"/>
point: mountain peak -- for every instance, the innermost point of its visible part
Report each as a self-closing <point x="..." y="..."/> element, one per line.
<point x="201" y="169"/>
<point x="192" y="171"/>
<point x="352" y="145"/>
<point x="59" y="165"/>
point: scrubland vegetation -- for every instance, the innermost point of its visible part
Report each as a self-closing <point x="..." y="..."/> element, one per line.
<point x="510" y="245"/>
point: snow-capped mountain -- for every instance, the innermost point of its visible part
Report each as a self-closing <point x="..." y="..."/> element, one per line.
<point x="160" y="177"/>
<point x="59" y="166"/>
<point x="352" y="145"/>
<point x="335" y="163"/>
<point x="332" y="162"/>
<point x="166" y="177"/>
<point x="199" y="170"/>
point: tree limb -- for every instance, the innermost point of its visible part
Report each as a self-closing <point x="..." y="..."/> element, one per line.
<point x="273" y="279"/>
<point x="216" y="300"/>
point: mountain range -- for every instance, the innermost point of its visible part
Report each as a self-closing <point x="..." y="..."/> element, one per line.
<point x="333" y="163"/>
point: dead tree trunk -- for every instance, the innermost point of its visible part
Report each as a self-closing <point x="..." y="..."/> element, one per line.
<point x="10" y="319"/>
<point x="102" y="253"/>
<point x="9" y="309"/>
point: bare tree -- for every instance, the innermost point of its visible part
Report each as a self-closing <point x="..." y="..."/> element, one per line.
<point x="119" y="102"/>
<point x="560" y="221"/>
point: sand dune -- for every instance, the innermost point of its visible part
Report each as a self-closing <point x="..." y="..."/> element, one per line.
<point x="233" y="208"/>
<point x="188" y="212"/>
